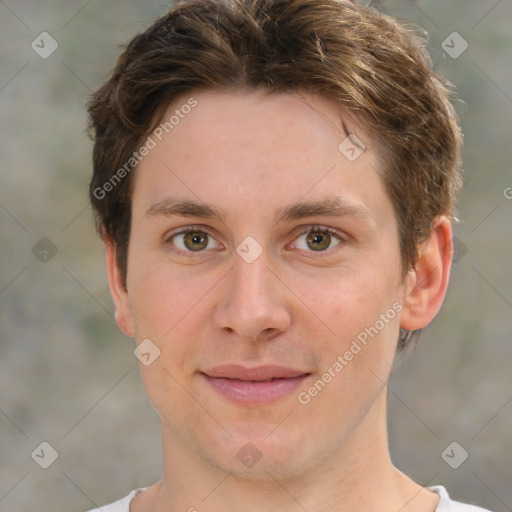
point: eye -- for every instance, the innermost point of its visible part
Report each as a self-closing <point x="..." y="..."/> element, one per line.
<point x="192" y="240"/>
<point x="318" y="239"/>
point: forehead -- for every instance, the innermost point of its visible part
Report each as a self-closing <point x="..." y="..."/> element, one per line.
<point x="233" y="117"/>
<point x="265" y="150"/>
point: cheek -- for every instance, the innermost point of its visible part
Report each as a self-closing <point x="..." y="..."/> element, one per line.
<point x="161" y="299"/>
<point x="347" y="303"/>
<point x="160" y="309"/>
<point x="357" y="358"/>
<point x="166" y="310"/>
<point x="355" y="334"/>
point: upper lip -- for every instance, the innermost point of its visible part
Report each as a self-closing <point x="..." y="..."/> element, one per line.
<point x="259" y="373"/>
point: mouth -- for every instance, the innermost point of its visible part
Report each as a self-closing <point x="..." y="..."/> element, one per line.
<point x="254" y="386"/>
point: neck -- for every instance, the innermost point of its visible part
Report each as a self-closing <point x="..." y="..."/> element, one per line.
<point x="358" y="475"/>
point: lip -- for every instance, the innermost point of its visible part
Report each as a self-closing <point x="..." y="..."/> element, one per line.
<point x="256" y="386"/>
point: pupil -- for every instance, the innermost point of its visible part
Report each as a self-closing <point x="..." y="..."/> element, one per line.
<point x="195" y="241"/>
<point x="318" y="241"/>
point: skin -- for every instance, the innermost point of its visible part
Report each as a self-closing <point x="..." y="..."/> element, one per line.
<point x="249" y="156"/>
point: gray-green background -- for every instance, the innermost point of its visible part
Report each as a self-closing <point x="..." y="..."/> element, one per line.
<point x="69" y="377"/>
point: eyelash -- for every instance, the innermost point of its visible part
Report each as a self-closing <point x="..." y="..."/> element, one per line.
<point x="333" y="233"/>
<point x="306" y="230"/>
<point x="184" y="231"/>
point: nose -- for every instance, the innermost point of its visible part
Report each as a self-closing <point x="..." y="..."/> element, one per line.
<point x="254" y="303"/>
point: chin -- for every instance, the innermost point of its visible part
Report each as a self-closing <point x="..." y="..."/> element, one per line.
<point x="252" y="454"/>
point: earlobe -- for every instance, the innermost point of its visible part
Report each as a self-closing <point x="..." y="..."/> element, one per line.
<point x="118" y="291"/>
<point x="427" y="283"/>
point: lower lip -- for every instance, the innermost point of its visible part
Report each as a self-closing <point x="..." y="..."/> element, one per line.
<point x="254" y="392"/>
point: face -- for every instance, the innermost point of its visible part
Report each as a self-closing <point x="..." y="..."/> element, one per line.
<point x="264" y="265"/>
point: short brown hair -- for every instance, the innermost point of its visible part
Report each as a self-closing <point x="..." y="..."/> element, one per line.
<point x="366" y="61"/>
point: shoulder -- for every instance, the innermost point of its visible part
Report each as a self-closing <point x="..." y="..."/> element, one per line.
<point x="122" y="505"/>
<point x="446" y="504"/>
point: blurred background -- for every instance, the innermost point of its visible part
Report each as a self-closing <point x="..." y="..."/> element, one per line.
<point x="69" y="378"/>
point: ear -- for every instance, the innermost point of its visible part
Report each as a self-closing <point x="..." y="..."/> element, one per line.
<point x="118" y="291"/>
<point x="427" y="283"/>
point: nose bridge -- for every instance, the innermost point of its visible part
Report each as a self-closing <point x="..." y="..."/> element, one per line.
<point x="252" y="302"/>
<point x="250" y="280"/>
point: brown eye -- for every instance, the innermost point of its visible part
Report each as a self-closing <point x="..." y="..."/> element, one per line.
<point x="190" y="240"/>
<point x="195" y="240"/>
<point x="318" y="240"/>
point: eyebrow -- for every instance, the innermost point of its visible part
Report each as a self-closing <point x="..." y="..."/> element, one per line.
<point x="336" y="207"/>
<point x="184" y="208"/>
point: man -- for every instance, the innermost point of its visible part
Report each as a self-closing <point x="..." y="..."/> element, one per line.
<point x="274" y="184"/>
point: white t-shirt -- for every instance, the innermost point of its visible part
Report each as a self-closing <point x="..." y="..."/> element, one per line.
<point x="445" y="503"/>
